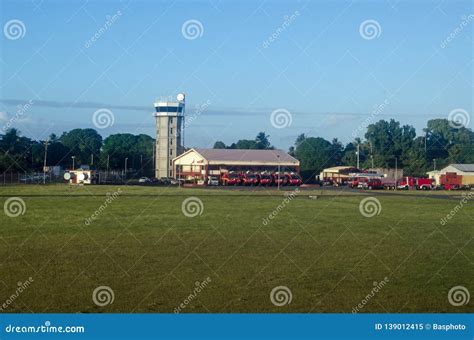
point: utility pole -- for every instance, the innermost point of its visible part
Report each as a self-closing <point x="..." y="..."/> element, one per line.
<point x="278" y="156"/>
<point x="107" y="171"/>
<point x="46" y="142"/>
<point x="358" y="155"/>
<point x="434" y="163"/>
<point x="73" y="161"/>
<point x="396" y="173"/>
<point x="92" y="159"/>
<point x="126" y="159"/>
<point x="426" y="133"/>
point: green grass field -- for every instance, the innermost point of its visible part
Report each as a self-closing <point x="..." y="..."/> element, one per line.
<point x="151" y="255"/>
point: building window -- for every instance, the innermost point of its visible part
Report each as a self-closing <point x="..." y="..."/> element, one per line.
<point x="171" y="152"/>
<point x="171" y="173"/>
<point x="171" y="120"/>
<point x="171" y="131"/>
<point x="168" y="109"/>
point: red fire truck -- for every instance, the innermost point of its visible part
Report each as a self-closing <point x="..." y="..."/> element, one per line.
<point x="415" y="183"/>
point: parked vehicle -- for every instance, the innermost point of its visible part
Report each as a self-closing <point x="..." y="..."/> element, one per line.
<point x="266" y="179"/>
<point x="389" y="184"/>
<point x="354" y="182"/>
<point x="144" y="180"/>
<point x="280" y="179"/>
<point x="294" y="179"/>
<point x="371" y="183"/>
<point x="231" y="178"/>
<point x="250" y="179"/>
<point x="416" y="183"/>
<point x="213" y="181"/>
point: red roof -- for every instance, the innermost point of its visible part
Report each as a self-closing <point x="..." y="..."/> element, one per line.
<point x="250" y="156"/>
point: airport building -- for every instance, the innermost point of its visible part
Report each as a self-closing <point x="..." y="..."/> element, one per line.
<point x="199" y="163"/>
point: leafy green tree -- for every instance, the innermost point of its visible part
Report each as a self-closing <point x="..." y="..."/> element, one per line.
<point x="315" y="154"/>
<point x="16" y="152"/>
<point x="244" y="144"/>
<point x="262" y="141"/>
<point x="389" y="140"/>
<point x="137" y="148"/>
<point x="219" y="145"/>
<point x="82" y="143"/>
<point x="349" y="156"/>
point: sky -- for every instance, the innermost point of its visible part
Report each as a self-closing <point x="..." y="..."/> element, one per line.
<point x="323" y="68"/>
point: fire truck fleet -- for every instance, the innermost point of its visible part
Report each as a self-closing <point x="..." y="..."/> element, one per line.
<point x="264" y="179"/>
<point x="375" y="181"/>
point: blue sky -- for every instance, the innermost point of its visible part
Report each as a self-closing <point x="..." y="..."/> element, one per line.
<point x="319" y="67"/>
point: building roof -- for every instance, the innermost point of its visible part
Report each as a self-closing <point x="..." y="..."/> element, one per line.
<point x="234" y="156"/>
<point x="464" y="167"/>
<point x="339" y="168"/>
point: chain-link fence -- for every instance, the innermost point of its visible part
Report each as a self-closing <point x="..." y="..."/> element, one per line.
<point x="99" y="177"/>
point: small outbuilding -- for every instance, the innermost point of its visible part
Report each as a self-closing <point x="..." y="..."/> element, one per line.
<point x="459" y="174"/>
<point x="338" y="174"/>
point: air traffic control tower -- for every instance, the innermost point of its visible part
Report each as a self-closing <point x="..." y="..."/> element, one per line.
<point x="169" y="134"/>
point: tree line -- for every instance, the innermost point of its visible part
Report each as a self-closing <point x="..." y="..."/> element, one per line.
<point x="81" y="146"/>
<point x="385" y="144"/>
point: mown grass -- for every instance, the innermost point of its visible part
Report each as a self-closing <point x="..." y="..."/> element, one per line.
<point x="151" y="255"/>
